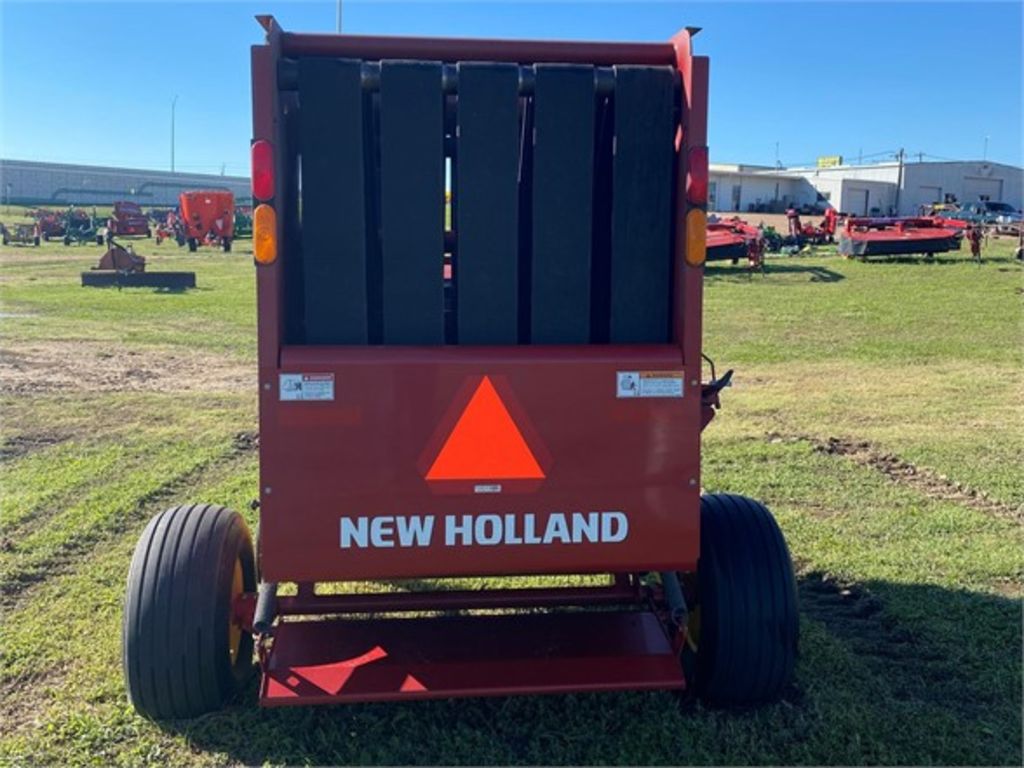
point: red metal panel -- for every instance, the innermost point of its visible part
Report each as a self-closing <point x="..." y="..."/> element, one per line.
<point x="376" y="660"/>
<point x="367" y="453"/>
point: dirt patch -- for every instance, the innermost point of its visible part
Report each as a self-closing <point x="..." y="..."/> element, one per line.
<point x="20" y="712"/>
<point x="246" y="441"/>
<point x="923" y="480"/>
<point x="20" y="445"/>
<point x="90" y="367"/>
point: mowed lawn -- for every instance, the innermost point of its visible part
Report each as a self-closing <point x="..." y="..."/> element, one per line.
<point x="876" y="408"/>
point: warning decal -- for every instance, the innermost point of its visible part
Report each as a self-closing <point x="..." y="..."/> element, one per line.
<point x="485" y="444"/>
<point x="307" y="386"/>
<point x="649" y="384"/>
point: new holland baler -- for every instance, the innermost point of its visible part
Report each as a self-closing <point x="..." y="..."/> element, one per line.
<point x="517" y="392"/>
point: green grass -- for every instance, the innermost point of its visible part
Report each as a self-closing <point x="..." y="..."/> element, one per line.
<point x="911" y="599"/>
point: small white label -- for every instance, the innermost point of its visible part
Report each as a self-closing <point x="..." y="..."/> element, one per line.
<point x="649" y="384"/>
<point x="307" y="386"/>
<point x="487" y="488"/>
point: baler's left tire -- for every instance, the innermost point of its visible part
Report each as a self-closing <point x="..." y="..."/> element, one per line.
<point x="181" y="652"/>
<point x="744" y="630"/>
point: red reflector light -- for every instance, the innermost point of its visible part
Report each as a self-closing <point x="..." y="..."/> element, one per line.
<point x="697" y="176"/>
<point x="262" y="170"/>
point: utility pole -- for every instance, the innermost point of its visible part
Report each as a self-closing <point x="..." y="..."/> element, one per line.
<point x="337" y="19"/>
<point x="777" y="163"/>
<point x="174" y="101"/>
<point x="984" y="155"/>
<point x="899" y="180"/>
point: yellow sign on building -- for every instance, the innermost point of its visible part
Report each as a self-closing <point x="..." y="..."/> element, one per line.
<point x="830" y="161"/>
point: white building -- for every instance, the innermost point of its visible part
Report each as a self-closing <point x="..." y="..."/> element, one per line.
<point x="881" y="188"/>
<point x="24" y="182"/>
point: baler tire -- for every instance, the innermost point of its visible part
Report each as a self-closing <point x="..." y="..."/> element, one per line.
<point x="747" y="601"/>
<point x="193" y="244"/>
<point x="176" y="650"/>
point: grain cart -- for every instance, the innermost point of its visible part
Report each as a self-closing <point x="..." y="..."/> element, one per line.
<point x="207" y="217"/>
<point x="537" y="414"/>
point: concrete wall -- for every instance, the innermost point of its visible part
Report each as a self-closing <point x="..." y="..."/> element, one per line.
<point x="967" y="180"/>
<point x="756" y="190"/>
<point x="923" y="183"/>
<point x="29" y="183"/>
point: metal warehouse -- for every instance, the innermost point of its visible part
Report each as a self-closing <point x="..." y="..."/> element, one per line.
<point x="24" y="182"/>
<point x="877" y="189"/>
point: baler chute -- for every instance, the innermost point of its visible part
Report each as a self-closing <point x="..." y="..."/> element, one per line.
<point x="517" y="394"/>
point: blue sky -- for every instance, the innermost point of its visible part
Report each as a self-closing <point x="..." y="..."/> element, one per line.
<point x="92" y="83"/>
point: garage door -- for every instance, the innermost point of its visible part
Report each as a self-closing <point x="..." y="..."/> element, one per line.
<point x="982" y="189"/>
<point x="855" y="201"/>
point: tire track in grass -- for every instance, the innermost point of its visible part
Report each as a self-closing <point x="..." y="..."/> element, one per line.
<point x="41" y="669"/>
<point x="107" y="511"/>
<point x="915" y="664"/>
<point x="925" y="481"/>
<point x="39" y="485"/>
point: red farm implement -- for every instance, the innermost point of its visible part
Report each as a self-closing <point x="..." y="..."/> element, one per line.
<point x="207" y="218"/>
<point x="51" y="223"/>
<point x="120" y="266"/>
<point x="734" y="239"/>
<point x="864" y="237"/>
<point x="128" y="219"/>
<point x="539" y="412"/>
<point x="171" y="228"/>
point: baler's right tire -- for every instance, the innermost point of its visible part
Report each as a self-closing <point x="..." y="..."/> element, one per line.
<point x="747" y="619"/>
<point x="181" y="652"/>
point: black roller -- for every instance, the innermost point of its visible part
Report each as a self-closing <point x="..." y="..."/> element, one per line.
<point x="642" y="175"/>
<point x="563" y="172"/>
<point x="412" y="202"/>
<point x="333" y="201"/>
<point x="486" y="264"/>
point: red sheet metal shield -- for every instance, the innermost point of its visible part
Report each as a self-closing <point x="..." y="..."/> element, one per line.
<point x="417" y="447"/>
<point x="485" y="447"/>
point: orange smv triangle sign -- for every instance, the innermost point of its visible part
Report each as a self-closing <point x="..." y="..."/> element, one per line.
<point x="485" y="444"/>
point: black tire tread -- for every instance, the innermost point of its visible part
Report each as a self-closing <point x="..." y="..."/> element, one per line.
<point x="174" y="639"/>
<point x="749" y="613"/>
